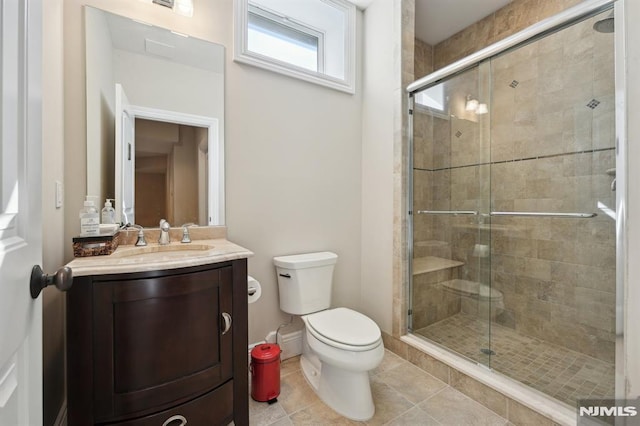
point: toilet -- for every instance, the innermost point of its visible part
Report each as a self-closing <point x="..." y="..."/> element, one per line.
<point x="340" y="345"/>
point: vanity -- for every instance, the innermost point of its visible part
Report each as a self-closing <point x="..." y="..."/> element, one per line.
<point x="157" y="335"/>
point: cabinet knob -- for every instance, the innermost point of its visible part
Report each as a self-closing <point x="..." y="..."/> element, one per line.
<point x="227" y="322"/>
<point x="171" y="421"/>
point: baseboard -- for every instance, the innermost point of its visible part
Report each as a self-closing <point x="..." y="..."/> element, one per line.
<point x="290" y="343"/>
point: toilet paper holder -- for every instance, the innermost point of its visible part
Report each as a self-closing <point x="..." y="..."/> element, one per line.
<point x="254" y="291"/>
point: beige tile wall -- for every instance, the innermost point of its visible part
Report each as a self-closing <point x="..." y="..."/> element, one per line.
<point x="431" y="303"/>
<point x="557" y="275"/>
<point x="423" y="59"/>
<point x="406" y="53"/>
<point x="512" y="18"/>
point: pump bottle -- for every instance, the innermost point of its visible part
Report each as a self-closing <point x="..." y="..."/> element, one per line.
<point x="108" y="212"/>
<point x="89" y="220"/>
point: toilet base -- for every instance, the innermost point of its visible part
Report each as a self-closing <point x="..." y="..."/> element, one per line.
<point x="346" y="392"/>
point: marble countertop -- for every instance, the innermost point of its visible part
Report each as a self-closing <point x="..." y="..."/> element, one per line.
<point x="129" y="258"/>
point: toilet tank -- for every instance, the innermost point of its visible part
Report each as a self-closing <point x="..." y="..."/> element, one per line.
<point x="304" y="281"/>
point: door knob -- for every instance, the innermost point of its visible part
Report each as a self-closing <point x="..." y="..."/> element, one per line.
<point x="62" y="279"/>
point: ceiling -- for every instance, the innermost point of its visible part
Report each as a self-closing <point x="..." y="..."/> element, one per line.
<point x="437" y="20"/>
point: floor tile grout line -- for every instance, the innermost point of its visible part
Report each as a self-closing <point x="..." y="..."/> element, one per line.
<point x="474" y="401"/>
<point x="405" y="412"/>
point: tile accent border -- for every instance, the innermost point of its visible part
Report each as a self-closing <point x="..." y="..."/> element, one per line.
<point x="515" y="160"/>
<point x="518" y="408"/>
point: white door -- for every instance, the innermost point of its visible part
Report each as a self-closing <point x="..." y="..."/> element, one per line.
<point x="20" y="212"/>
<point x="125" y="158"/>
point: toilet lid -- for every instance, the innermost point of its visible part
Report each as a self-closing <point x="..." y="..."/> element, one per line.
<point x="345" y="326"/>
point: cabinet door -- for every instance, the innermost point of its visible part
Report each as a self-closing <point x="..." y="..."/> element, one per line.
<point x="159" y="341"/>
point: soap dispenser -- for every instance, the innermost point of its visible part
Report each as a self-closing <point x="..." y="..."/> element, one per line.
<point x="89" y="220"/>
<point x="108" y="212"/>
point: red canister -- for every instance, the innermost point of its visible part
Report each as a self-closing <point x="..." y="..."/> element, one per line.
<point x="265" y="372"/>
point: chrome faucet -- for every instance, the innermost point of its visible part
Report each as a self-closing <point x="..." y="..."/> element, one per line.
<point x="164" y="233"/>
<point x="186" y="238"/>
<point x="140" y="241"/>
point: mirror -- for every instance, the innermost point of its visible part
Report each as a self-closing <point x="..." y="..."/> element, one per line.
<point x="155" y="122"/>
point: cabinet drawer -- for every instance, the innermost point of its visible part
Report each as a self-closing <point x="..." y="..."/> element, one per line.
<point x="211" y="409"/>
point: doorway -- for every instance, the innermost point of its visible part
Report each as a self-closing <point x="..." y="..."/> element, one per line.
<point x="170" y="172"/>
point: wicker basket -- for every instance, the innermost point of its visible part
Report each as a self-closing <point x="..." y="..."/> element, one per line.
<point x="95" y="246"/>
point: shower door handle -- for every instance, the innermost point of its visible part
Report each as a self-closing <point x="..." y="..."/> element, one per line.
<point x="452" y="212"/>
<point x="546" y="214"/>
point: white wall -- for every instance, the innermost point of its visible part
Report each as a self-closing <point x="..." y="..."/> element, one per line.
<point x="293" y="180"/>
<point x="379" y="83"/>
<point x="293" y="156"/>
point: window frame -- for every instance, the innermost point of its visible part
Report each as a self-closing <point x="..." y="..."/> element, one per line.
<point x="243" y="55"/>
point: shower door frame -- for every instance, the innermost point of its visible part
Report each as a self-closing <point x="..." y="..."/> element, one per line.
<point x="547" y="26"/>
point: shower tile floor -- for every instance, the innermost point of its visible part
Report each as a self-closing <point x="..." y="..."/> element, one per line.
<point x="559" y="372"/>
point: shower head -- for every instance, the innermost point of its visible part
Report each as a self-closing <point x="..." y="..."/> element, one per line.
<point x="605" y="25"/>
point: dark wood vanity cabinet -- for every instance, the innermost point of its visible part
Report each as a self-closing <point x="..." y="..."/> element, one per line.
<point x="159" y="348"/>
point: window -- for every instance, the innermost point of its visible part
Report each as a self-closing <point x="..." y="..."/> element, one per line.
<point x="313" y="40"/>
<point x="285" y="40"/>
<point x="432" y="98"/>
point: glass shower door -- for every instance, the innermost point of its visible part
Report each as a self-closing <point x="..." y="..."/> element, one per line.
<point x="451" y="235"/>
<point x="553" y="220"/>
<point x="513" y="225"/>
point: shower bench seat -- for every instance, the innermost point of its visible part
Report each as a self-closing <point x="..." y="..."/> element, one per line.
<point x="423" y="265"/>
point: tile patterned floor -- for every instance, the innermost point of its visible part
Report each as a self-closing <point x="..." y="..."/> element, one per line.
<point x="403" y="394"/>
<point x="559" y="372"/>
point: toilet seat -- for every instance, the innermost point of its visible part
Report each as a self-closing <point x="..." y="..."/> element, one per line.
<point x="344" y="328"/>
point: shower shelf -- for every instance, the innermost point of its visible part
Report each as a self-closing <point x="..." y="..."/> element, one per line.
<point x="422" y="265"/>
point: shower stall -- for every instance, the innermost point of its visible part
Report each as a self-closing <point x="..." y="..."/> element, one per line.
<point x="512" y="207"/>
